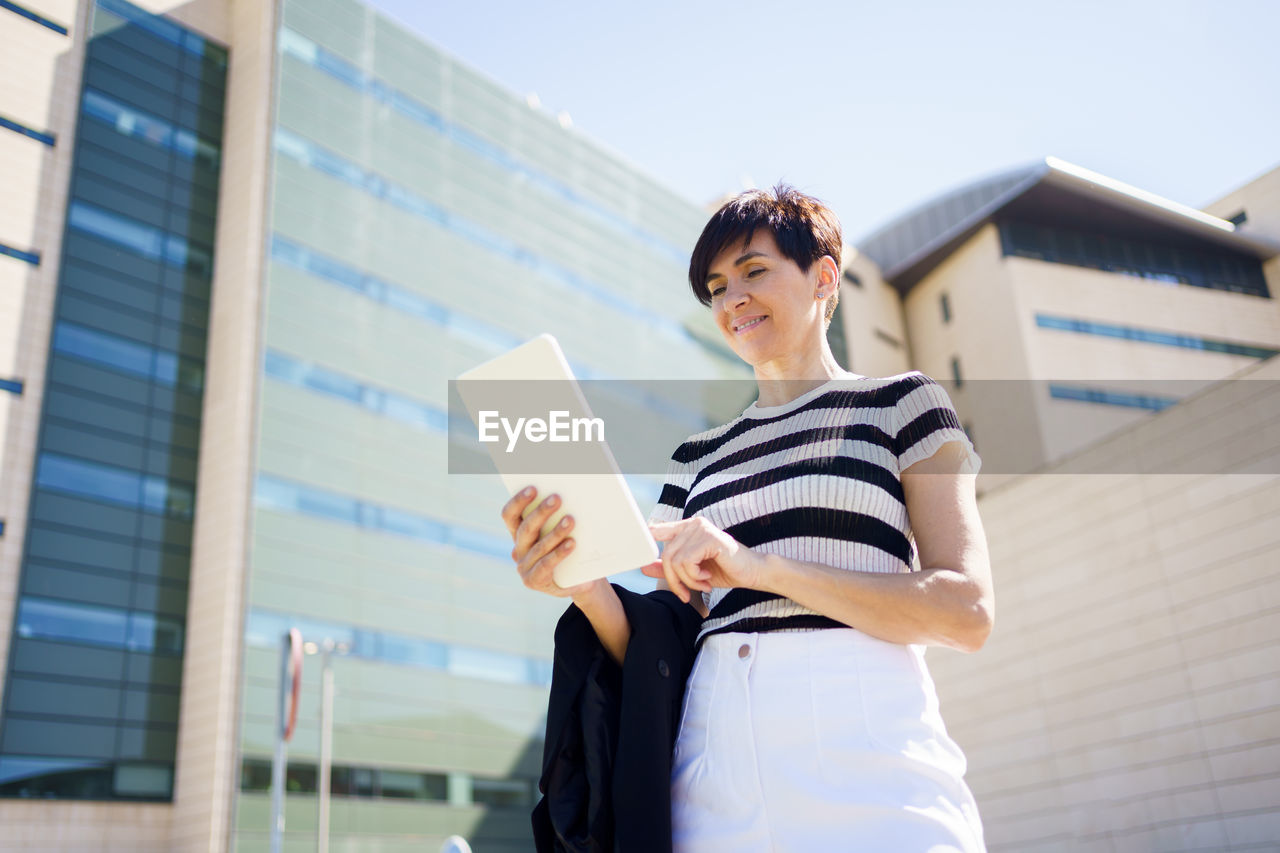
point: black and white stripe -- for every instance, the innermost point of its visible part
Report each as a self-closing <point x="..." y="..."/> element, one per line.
<point x="816" y="479"/>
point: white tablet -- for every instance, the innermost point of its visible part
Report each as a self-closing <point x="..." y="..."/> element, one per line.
<point x="532" y="418"/>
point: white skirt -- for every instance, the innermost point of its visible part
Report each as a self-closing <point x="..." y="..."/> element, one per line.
<point x="825" y="740"/>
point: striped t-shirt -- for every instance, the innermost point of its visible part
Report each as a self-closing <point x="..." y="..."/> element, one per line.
<point x="815" y="479"/>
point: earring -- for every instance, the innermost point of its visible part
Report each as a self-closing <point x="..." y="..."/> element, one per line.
<point x="821" y="294"/>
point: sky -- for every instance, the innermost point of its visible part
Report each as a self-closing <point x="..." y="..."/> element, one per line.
<point x="878" y="107"/>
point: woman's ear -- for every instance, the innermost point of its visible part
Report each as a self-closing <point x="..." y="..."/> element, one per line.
<point x="829" y="274"/>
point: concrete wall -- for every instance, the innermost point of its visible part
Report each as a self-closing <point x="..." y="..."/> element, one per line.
<point x="208" y="772"/>
<point x="988" y="333"/>
<point x="1129" y="696"/>
<point x="875" y="327"/>
<point x="210" y="18"/>
<point x="986" y="329"/>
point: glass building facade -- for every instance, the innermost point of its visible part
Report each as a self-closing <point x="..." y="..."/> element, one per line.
<point x="419" y="221"/>
<point x="422" y="221"/>
<point x="95" y="664"/>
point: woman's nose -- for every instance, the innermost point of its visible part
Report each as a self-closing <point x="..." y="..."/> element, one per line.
<point x="735" y="296"/>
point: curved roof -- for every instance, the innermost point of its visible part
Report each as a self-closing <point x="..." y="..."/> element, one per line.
<point x="913" y="244"/>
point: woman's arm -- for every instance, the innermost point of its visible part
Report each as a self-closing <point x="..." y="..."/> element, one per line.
<point x="949" y="602"/>
<point x="604" y="611"/>
<point x="537" y="556"/>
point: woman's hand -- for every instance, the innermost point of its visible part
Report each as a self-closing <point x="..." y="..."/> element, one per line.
<point x="536" y="555"/>
<point x="698" y="556"/>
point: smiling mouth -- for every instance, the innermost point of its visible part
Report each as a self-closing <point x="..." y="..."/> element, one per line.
<point x="749" y="324"/>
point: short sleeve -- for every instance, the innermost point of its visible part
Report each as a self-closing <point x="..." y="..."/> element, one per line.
<point x="675" y="489"/>
<point x="926" y="420"/>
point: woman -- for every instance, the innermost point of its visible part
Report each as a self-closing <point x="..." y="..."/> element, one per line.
<point x="810" y="722"/>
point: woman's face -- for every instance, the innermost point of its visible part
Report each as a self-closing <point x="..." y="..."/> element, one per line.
<point x="764" y="305"/>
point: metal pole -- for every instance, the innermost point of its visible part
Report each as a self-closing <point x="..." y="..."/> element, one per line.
<point x="278" y="760"/>
<point x="326" y="743"/>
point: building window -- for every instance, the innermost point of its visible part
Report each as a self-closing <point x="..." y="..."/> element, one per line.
<point x="1166" y="263"/>
<point x="45" y="619"/>
<point x="255" y="775"/>
<point x="501" y="793"/>
<point x="955" y="371"/>
<point x="407" y="785"/>
<point x="13" y="386"/>
<point x="282" y="495"/>
<point x="316" y="378"/>
<point x="1239" y="218"/>
<point x="76" y="779"/>
<point x="888" y="339"/>
<point x="114" y="485"/>
<point x="265" y="628"/>
<point x="946" y="308"/>
<point x="383" y="783"/>
<point x="852" y="277"/>
<point x="1152" y="402"/>
<point x="1149" y="336"/>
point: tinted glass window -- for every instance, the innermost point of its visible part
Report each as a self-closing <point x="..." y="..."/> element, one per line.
<point x="1146" y="259"/>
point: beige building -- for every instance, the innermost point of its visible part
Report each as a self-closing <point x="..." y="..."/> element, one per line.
<point x="1116" y="362"/>
<point x="1129" y="697"/>
<point x="1053" y="286"/>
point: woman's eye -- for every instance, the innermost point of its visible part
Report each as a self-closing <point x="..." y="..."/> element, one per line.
<point x="752" y="273"/>
<point x="716" y="291"/>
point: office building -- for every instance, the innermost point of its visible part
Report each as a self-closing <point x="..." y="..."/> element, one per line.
<point x="252" y="243"/>
<point x="1127" y="698"/>
<point x="1093" y="302"/>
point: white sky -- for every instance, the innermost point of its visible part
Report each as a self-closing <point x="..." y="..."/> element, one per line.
<point x="877" y="106"/>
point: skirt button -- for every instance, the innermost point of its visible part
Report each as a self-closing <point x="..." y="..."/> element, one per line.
<point x="745" y="651"/>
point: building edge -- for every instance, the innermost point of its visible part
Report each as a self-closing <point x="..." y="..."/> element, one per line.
<point x="208" y="734"/>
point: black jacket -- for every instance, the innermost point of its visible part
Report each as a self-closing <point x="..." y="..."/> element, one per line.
<point x="606" y="761"/>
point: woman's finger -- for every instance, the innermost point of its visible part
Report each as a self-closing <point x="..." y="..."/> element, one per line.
<point x="676" y="555"/>
<point x="541" y="574"/>
<point x="674" y="583"/>
<point x="709" y="550"/>
<point x="546" y="544"/>
<point x="514" y="508"/>
<point x="530" y="528"/>
<point x="653" y="570"/>
<point x="690" y="547"/>
<point x="664" y="531"/>
<point x="690" y="574"/>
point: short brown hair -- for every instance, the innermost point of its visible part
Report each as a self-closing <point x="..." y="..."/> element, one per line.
<point x="804" y="228"/>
